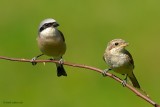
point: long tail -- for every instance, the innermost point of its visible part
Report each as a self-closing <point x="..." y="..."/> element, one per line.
<point x="60" y="70"/>
<point x="134" y="80"/>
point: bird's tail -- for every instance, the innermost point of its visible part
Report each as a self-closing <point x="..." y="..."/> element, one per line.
<point x="60" y="70"/>
<point x="134" y="80"/>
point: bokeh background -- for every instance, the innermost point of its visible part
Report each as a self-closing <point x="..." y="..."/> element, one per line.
<point x="88" y="25"/>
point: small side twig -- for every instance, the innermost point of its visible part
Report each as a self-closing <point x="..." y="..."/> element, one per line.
<point x="90" y="68"/>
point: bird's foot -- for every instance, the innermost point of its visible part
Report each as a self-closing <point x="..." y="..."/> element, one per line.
<point x="124" y="82"/>
<point x="33" y="61"/>
<point x="35" y="58"/>
<point x="61" y="61"/>
<point x="105" y="71"/>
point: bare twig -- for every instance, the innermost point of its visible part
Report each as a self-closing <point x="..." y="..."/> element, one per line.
<point x="144" y="97"/>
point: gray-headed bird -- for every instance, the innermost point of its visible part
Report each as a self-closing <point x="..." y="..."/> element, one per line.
<point x="51" y="42"/>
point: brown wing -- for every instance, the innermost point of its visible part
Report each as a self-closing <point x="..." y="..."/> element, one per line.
<point x="130" y="58"/>
<point x="62" y="35"/>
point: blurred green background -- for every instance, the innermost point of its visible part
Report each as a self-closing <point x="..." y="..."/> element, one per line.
<point x="88" y="25"/>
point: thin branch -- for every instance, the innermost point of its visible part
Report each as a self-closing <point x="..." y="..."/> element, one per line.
<point x="90" y="68"/>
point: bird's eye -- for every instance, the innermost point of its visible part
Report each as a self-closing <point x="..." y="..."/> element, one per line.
<point x="48" y="24"/>
<point x="116" y="44"/>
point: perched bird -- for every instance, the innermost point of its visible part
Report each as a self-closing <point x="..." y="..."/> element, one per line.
<point x="120" y="60"/>
<point x="51" y="42"/>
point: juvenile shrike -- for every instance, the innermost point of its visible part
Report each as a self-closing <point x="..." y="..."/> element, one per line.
<point x="51" y="42"/>
<point x="120" y="60"/>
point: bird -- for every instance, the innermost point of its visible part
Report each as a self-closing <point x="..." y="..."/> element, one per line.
<point x="51" y="42"/>
<point x="120" y="60"/>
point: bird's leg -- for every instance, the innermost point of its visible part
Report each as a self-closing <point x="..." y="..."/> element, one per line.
<point x="105" y="71"/>
<point x="124" y="82"/>
<point x="35" y="58"/>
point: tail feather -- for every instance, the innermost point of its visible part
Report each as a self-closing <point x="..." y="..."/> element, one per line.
<point x="60" y="70"/>
<point x="134" y="80"/>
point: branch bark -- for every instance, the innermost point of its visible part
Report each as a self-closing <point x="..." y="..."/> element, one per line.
<point x="139" y="94"/>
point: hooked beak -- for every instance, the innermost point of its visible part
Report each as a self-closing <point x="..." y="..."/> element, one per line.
<point x="55" y="24"/>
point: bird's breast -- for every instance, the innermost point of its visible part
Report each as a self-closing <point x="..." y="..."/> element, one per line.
<point x="119" y="63"/>
<point x="52" y="46"/>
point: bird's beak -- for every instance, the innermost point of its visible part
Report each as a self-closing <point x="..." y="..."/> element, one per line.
<point x="55" y="24"/>
<point x="125" y="44"/>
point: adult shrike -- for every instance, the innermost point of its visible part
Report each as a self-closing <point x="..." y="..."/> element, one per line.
<point x="51" y="42"/>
